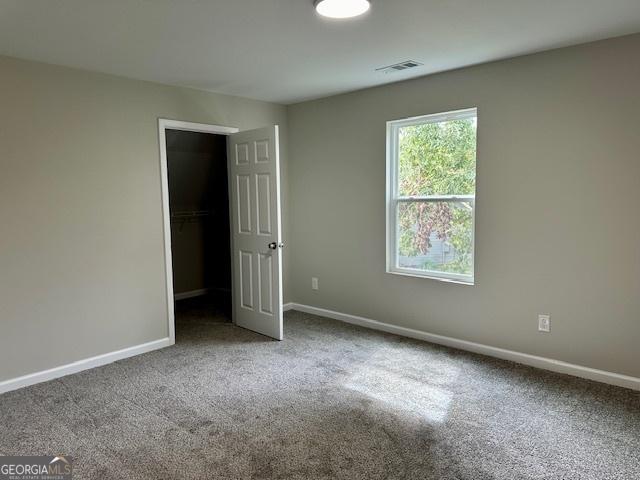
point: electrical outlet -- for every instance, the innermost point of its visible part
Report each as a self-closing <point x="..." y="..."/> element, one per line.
<point x="544" y="323"/>
<point x="314" y="283"/>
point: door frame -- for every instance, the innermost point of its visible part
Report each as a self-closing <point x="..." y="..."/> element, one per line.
<point x="163" y="125"/>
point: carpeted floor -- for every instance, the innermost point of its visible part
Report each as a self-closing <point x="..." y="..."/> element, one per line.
<point x="332" y="401"/>
<point x="212" y="307"/>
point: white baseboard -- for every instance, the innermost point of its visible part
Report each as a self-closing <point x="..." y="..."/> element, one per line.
<point x="199" y="293"/>
<point x="191" y="294"/>
<point x="75" y="367"/>
<point x="523" y="358"/>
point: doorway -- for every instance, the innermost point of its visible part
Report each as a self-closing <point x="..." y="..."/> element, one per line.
<point x="200" y="230"/>
<point x="250" y="245"/>
<point x="196" y="221"/>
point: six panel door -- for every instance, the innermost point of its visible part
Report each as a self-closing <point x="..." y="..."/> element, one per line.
<point x="254" y="189"/>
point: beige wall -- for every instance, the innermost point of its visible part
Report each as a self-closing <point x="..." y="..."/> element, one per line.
<point x="81" y="239"/>
<point x="558" y="194"/>
<point x="81" y="242"/>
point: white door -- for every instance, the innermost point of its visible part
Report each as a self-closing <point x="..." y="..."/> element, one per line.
<point x="254" y="186"/>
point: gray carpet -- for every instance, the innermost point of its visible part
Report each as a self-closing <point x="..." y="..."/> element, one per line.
<point x="332" y="401"/>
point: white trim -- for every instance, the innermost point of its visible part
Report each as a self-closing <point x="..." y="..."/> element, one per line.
<point x="523" y="358"/>
<point x="543" y="363"/>
<point x="439" y="198"/>
<point x="164" y="124"/>
<point x="288" y="306"/>
<point x="191" y="294"/>
<point x="434" y="117"/>
<point x="279" y="241"/>
<point x="86" y="364"/>
<point x="439" y="276"/>
<point x="197" y="127"/>
<point x="433" y="275"/>
<point x="199" y="293"/>
<point x="393" y="199"/>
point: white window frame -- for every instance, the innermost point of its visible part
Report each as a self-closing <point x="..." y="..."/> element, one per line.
<point x="394" y="199"/>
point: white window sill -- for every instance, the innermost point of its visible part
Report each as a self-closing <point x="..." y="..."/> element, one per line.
<point x="432" y="276"/>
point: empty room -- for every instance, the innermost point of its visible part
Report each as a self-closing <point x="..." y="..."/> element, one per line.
<point x="320" y="239"/>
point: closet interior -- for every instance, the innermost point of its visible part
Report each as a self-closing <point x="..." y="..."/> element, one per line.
<point x="200" y="232"/>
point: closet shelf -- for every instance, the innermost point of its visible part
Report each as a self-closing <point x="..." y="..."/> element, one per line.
<point x="189" y="217"/>
<point x="191" y="214"/>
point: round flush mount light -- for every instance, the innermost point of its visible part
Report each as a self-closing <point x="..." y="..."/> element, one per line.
<point x="342" y="8"/>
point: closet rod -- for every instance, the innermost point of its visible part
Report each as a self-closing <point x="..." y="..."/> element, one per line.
<point x="192" y="214"/>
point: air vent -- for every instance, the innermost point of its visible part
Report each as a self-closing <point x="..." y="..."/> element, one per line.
<point x="398" y="67"/>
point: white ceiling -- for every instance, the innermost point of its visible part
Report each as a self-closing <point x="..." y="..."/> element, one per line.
<point x="281" y="51"/>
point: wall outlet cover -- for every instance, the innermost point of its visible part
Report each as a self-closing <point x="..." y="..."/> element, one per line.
<point x="544" y="323"/>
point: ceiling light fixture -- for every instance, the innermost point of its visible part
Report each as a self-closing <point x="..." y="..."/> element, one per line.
<point x="342" y="8"/>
